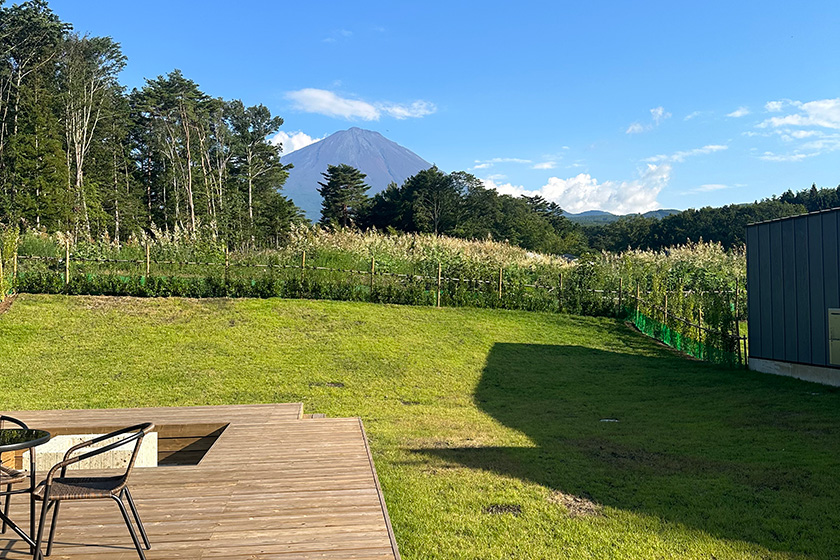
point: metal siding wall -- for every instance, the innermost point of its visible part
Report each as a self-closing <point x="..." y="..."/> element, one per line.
<point x="819" y="346"/>
<point x="803" y="296"/>
<point x="765" y="294"/>
<point x="831" y="274"/>
<point x="789" y="288"/>
<point x="753" y="301"/>
<point x="836" y="288"/>
<point x="777" y="292"/>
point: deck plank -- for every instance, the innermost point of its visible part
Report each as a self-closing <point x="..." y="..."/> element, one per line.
<point x="272" y="486"/>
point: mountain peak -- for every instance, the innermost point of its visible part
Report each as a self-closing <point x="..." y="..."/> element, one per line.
<point x="382" y="160"/>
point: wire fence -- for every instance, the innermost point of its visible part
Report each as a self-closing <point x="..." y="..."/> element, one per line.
<point x="149" y="277"/>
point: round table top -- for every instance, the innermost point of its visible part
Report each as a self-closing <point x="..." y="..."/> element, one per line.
<point x="13" y="439"/>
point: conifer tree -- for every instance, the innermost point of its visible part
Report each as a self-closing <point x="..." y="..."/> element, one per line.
<point x="343" y="191"/>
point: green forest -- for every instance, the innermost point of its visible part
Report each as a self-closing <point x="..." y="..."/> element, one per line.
<point x="81" y="154"/>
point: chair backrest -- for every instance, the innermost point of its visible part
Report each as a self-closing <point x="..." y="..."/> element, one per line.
<point x="134" y="433"/>
<point x="10" y="457"/>
<point x="142" y="430"/>
<point x="14" y="421"/>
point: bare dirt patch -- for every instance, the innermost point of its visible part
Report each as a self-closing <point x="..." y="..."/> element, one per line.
<point x="6" y="304"/>
<point x="333" y="384"/>
<point x="577" y="506"/>
<point x="501" y="509"/>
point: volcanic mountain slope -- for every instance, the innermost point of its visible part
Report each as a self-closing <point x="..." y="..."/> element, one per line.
<point x="382" y="160"/>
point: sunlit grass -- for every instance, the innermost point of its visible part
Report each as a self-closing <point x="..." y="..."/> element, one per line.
<point x="473" y="413"/>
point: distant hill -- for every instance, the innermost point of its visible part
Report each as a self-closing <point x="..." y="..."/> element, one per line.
<point x="599" y="217"/>
<point x="382" y="160"/>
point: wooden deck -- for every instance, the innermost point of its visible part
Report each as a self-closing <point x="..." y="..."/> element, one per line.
<point x="268" y="484"/>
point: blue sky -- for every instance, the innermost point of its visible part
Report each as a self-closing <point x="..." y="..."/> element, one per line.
<point x="620" y="106"/>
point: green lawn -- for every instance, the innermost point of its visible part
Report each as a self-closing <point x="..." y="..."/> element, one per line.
<point x="485" y="425"/>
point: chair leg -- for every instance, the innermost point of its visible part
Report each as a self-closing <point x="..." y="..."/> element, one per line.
<point x="130" y="527"/>
<point x="52" y="528"/>
<point x="6" y="506"/>
<point x="32" y="516"/>
<point x="45" y="507"/>
<point x="137" y="518"/>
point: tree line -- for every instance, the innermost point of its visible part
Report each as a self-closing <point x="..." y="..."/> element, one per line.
<point x="725" y="225"/>
<point x="455" y="204"/>
<point x="79" y="153"/>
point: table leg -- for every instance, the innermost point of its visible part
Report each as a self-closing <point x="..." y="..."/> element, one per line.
<point x="21" y="533"/>
<point x="32" y="500"/>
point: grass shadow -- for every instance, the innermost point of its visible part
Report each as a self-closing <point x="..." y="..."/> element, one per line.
<point x="736" y="454"/>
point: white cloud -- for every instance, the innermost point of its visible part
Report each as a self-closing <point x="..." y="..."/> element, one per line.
<point x="811" y="127"/>
<point x="545" y="165"/>
<point x="658" y="114"/>
<point x="693" y="115"/>
<point x="739" y="112"/>
<point x="487" y="163"/>
<point x="339" y="34"/>
<point x="678" y="157"/>
<point x="412" y="111"/>
<point x="508" y="160"/>
<point x="712" y="187"/>
<point x="636" y="128"/>
<point x="773" y="106"/>
<point x="800" y="134"/>
<point x="324" y="102"/>
<point x="824" y="113"/>
<point x="583" y="192"/>
<point x="292" y="141"/>
<point x="770" y="156"/>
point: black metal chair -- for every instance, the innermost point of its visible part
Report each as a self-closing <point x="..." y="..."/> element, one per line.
<point x="58" y="487"/>
<point x="9" y="477"/>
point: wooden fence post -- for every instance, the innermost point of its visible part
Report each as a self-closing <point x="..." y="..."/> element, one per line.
<point x="67" y="260"/>
<point x="303" y="265"/>
<point x="372" y="271"/>
<point x="500" y="283"/>
<point x="620" y="285"/>
<point x="636" y="318"/>
<point x="438" y="285"/>
<point x="560" y="292"/>
<point x="737" y="324"/>
<point x="746" y="356"/>
<point x="665" y="312"/>
<point x="227" y="260"/>
<point x="700" y="323"/>
<point x="148" y="259"/>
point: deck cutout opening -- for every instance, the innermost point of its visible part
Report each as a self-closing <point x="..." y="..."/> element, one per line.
<point x="177" y="444"/>
<point x="186" y="444"/>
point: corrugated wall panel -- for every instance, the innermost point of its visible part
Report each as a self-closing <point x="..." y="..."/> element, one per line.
<point x="764" y="292"/>
<point x="831" y="274"/>
<point x="793" y="278"/>
<point x="753" y="301"/>
<point x="803" y="296"/>
<point x="789" y="288"/>
<point x="777" y="292"/>
<point x="819" y="346"/>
